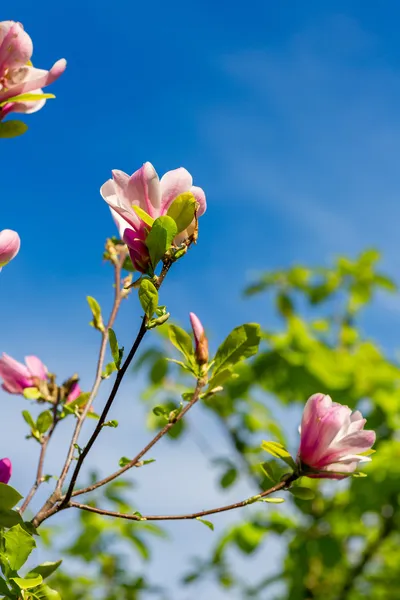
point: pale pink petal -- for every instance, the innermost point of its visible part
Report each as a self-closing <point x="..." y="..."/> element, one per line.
<point x="144" y="189"/>
<point x="36" y="367"/>
<point x="118" y="204"/>
<point x="74" y="393"/>
<point x="15" y="45"/>
<point x="9" y="245"/>
<point x="174" y="183"/>
<point x="200" y="196"/>
<point x="35" y="78"/>
<point x="356" y="443"/>
<point x="28" y="108"/>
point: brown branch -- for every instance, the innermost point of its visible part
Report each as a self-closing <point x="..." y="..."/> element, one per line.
<point x="44" y="444"/>
<point x="387" y="527"/>
<point x="118" y="296"/>
<point x="197" y="515"/>
<point x="152" y="443"/>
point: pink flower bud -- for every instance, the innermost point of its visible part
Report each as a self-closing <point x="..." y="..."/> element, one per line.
<point x="5" y="470"/>
<point x="152" y="195"/>
<point x="9" y="246"/>
<point x="333" y="438"/>
<point x="201" y="342"/>
<point x="74" y="393"/>
<point x="17" y="376"/>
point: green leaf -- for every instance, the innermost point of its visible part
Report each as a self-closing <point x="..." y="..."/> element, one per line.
<point x="143" y="215"/>
<point x="116" y="351"/>
<point x="220" y="378"/>
<point x="27" y="582"/>
<point x="44" y="421"/>
<point x="4" y="590"/>
<point x="9" y="518"/>
<point x="28" y="98"/>
<point x="241" y="343"/>
<point x="10" y="129"/>
<point x="206" y="523"/>
<point x="273" y="500"/>
<point x="29" y="419"/>
<point x="18" y="546"/>
<point x="123" y="461"/>
<point x="113" y="423"/>
<point x="148" y="297"/>
<point x="45" y="569"/>
<point x="182" y="210"/>
<point x="97" y="322"/>
<point x="8" y="497"/>
<point x="303" y="493"/>
<point x="109" y="370"/>
<point x="182" y="341"/>
<point x="279" y="451"/>
<point x="31" y="393"/>
<point x="80" y="401"/>
<point x="228" y="478"/>
<point x="160" y="411"/>
<point x="160" y="238"/>
<point x="44" y="592"/>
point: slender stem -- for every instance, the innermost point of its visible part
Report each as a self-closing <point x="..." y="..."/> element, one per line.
<point x="150" y="445"/>
<point x="197" y="515"/>
<point x="44" y="444"/>
<point x="118" y="296"/>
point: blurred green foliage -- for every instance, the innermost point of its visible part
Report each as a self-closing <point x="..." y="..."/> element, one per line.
<point x="344" y="543"/>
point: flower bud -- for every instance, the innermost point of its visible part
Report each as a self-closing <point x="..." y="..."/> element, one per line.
<point x="9" y="246"/>
<point x="5" y="470"/>
<point x="201" y="342"/>
<point x="333" y="439"/>
<point x="17" y="376"/>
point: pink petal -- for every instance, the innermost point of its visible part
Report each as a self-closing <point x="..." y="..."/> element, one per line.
<point x="9" y="365"/>
<point x="119" y="204"/>
<point x="200" y="196"/>
<point x="35" y="78"/>
<point x="74" y="393"/>
<point x="5" y="470"/>
<point x="9" y="245"/>
<point x="15" y="46"/>
<point x="355" y="443"/>
<point x="198" y="329"/>
<point x="144" y="189"/>
<point x="36" y="367"/>
<point x="172" y="184"/>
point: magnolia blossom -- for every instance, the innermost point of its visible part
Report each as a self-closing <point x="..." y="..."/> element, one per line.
<point x="74" y="393"/>
<point x="9" y="246"/>
<point x="5" y="470"/>
<point x="17" y="376"/>
<point x="333" y="438"/>
<point x="200" y="339"/>
<point x="153" y="195"/>
<point x="17" y="75"/>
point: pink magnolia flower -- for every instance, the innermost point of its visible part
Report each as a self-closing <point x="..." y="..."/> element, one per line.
<point x="145" y="190"/>
<point x="201" y="342"/>
<point x="17" y="376"/>
<point x="332" y="438"/>
<point x="17" y="75"/>
<point x="5" y="470"/>
<point x="9" y="246"/>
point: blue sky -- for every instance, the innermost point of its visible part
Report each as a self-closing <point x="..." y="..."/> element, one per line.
<point x="287" y="114"/>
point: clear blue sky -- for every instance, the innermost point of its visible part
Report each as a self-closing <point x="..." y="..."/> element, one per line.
<point x="287" y="114"/>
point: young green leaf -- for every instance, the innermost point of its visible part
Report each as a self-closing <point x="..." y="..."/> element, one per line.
<point x="303" y="493"/>
<point x="97" y="322"/>
<point x="45" y="569"/>
<point x="113" y="423"/>
<point x="220" y="378"/>
<point x="160" y="238"/>
<point x="182" y="341"/>
<point x="276" y="449"/>
<point x="109" y="370"/>
<point x="112" y="339"/>
<point x="143" y="215"/>
<point x="273" y="500"/>
<point x="9" y="518"/>
<point x="43" y="592"/>
<point x="29" y="419"/>
<point x="182" y="210"/>
<point x="241" y="343"/>
<point x="31" y="393"/>
<point x="18" y="546"/>
<point x="44" y="421"/>
<point x="29" y="97"/>
<point x="123" y="461"/>
<point x="27" y="582"/>
<point x="8" y="497"/>
<point x="206" y="523"/>
<point x="148" y="297"/>
<point x="10" y="129"/>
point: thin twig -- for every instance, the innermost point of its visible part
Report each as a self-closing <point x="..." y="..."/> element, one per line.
<point x="118" y="296"/>
<point x="44" y="444"/>
<point x="150" y="445"/>
<point x="197" y="515"/>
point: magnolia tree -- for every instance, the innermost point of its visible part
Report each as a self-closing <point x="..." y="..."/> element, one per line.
<point x="158" y="223"/>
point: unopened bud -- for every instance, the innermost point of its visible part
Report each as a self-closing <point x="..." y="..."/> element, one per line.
<point x="201" y="342"/>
